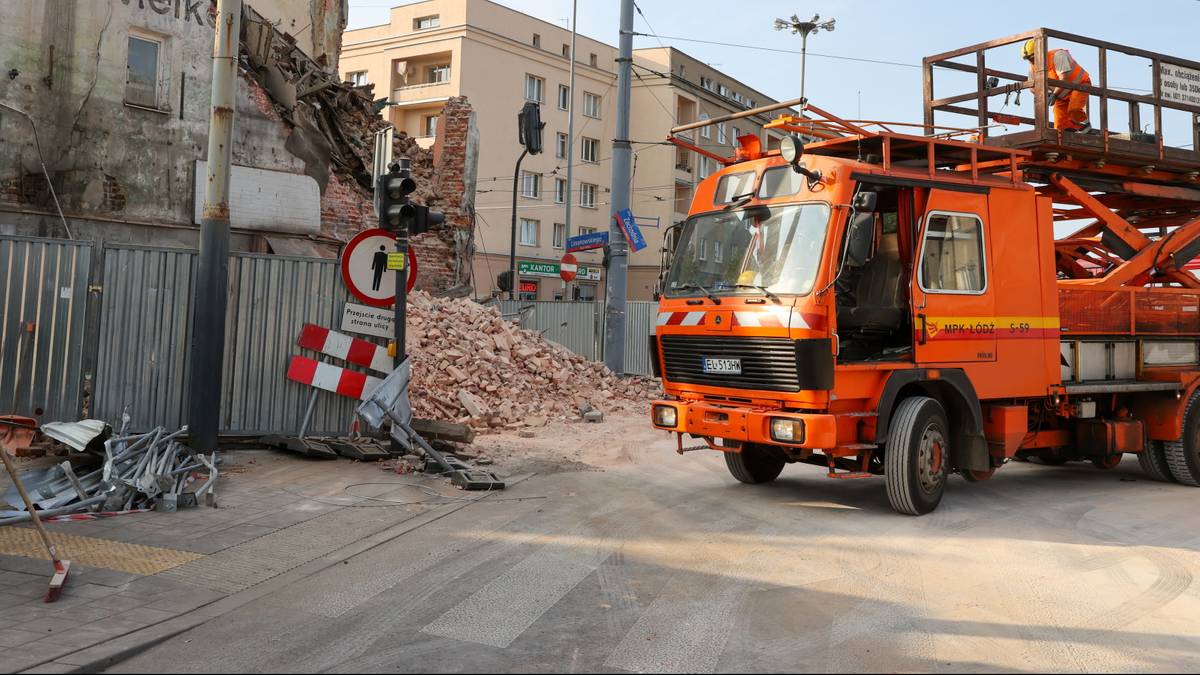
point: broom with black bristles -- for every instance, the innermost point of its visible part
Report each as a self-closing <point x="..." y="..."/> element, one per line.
<point x="61" y="567"/>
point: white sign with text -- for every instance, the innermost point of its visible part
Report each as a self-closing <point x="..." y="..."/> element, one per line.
<point x="1179" y="84"/>
<point x="369" y="320"/>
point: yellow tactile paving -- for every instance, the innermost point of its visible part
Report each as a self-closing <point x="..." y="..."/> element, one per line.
<point x="93" y="552"/>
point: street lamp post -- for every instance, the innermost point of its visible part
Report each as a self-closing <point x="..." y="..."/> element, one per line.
<point x="804" y="28"/>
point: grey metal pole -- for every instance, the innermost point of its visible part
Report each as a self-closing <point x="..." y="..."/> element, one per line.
<point x="622" y="163"/>
<point x="803" y="62"/>
<point x="400" y="314"/>
<point x="569" y="197"/>
<point x="512" y="249"/>
<point x="212" y="269"/>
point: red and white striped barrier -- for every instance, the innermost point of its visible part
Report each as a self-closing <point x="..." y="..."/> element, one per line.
<point x="329" y="377"/>
<point x="341" y="346"/>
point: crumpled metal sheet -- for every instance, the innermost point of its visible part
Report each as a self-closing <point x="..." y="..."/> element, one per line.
<point x="76" y="435"/>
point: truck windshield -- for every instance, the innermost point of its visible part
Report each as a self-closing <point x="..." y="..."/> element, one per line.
<point x="774" y="249"/>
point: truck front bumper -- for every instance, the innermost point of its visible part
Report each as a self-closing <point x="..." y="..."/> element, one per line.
<point x="750" y="425"/>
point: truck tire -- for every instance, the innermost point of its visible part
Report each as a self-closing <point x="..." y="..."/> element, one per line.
<point x="917" y="456"/>
<point x="754" y="465"/>
<point x="1153" y="461"/>
<point x="1183" y="455"/>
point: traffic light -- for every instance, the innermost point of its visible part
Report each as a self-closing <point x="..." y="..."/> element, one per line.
<point x="529" y="128"/>
<point x="395" y="208"/>
<point x="504" y="281"/>
<point x="424" y="218"/>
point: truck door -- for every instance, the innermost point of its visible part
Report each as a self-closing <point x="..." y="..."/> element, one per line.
<point x="952" y="301"/>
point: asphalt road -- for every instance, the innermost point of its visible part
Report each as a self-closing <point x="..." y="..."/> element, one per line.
<point x="669" y="565"/>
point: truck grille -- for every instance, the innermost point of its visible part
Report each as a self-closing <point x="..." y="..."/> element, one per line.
<point x="768" y="364"/>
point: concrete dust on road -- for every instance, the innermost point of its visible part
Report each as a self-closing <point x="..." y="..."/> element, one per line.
<point x="653" y="563"/>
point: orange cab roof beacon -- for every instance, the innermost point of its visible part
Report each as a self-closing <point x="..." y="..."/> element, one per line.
<point x="887" y="299"/>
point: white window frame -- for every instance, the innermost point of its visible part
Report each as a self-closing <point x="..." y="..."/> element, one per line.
<point x="560" y="145"/>
<point x="702" y="254"/>
<point x="558" y="238"/>
<point x="594" y="144"/>
<point x="718" y="256"/>
<point x="587" y="230"/>
<point x="537" y="41"/>
<point x="560" y="190"/>
<point x="540" y="86"/>
<point x="531" y="179"/>
<point x="564" y="97"/>
<point x="982" y="253"/>
<point x="586" y="189"/>
<point x="536" y="226"/>
<point x="434" y="20"/>
<point x="722" y="135"/>
<point x="358" y="78"/>
<point x="159" y="93"/>
<point x="705" y="131"/>
<point x="425" y="130"/>
<point x="430" y="71"/>
<point x="703" y="169"/>
<point x="733" y="139"/>
<point x="592" y="110"/>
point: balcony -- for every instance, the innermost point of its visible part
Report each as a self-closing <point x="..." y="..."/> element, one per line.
<point x="420" y="93"/>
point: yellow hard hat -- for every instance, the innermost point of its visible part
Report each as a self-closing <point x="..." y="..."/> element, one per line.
<point x="1027" y="49"/>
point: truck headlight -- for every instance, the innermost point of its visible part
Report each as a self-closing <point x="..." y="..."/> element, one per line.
<point x="665" y="416"/>
<point x="786" y="430"/>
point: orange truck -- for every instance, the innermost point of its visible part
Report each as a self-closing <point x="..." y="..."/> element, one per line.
<point x="884" y="303"/>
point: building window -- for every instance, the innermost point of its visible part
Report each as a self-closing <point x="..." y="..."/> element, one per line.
<point x="592" y="60"/>
<point x="722" y="137"/>
<point x="717" y="256"/>
<point x="705" y="132"/>
<point x="591" y="105"/>
<point x="749" y="103"/>
<point x="952" y="259"/>
<point x="702" y="254"/>
<point x="535" y="89"/>
<point x="141" y="72"/>
<point x="560" y="191"/>
<point x="537" y="41"/>
<point x="531" y="184"/>
<point x="358" y="78"/>
<point x="723" y="90"/>
<point x="564" y="97"/>
<point x="529" y="232"/>
<point x="436" y="74"/>
<point x="587" y="230"/>
<point x="591" y="150"/>
<point x="528" y="289"/>
<point x="567" y="50"/>
<point x="736" y="133"/>
<point x="426" y="22"/>
<point x="560" y="146"/>
<point x="706" y="82"/>
<point x="429" y="125"/>
<point x="587" y="195"/>
<point x="560" y="235"/>
<point x="683" y="197"/>
<point x="705" y="171"/>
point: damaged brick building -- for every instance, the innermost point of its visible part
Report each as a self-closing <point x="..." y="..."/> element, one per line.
<point x="118" y="92"/>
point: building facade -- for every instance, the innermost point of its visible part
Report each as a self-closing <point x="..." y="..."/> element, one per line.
<point x="499" y="59"/>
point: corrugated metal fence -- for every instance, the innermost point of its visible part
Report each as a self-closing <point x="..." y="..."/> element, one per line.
<point x="141" y="337"/>
<point x="43" y="310"/>
<point x="145" y="334"/>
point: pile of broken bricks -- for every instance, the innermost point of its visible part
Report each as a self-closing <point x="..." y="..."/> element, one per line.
<point x="473" y="367"/>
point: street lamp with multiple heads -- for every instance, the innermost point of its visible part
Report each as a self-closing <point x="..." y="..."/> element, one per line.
<point x="804" y="28"/>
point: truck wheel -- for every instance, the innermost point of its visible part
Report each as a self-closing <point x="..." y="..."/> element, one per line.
<point x="1183" y="455"/>
<point x="754" y="464"/>
<point x="917" y="456"/>
<point x="1154" y="462"/>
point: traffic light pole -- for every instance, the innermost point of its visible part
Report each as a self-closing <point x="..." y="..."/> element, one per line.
<point x="622" y="163"/>
<point x="512" y="249"/>
<point x="209" y="301"/>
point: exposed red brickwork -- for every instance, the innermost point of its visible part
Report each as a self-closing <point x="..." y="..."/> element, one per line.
<point x="347" y="208"/>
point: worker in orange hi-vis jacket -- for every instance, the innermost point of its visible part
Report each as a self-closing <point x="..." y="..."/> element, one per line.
<point x="1070" y="106"/>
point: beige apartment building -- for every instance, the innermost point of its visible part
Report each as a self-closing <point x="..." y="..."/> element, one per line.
<point x="499" y="59"/>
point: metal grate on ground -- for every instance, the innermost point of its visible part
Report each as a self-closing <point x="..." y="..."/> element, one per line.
<point x="94" y="552"/>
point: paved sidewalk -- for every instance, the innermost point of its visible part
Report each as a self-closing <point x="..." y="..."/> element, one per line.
<point x="276" y="513"/>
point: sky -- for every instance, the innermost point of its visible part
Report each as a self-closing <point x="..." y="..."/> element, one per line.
<point x="880" y="30"/>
